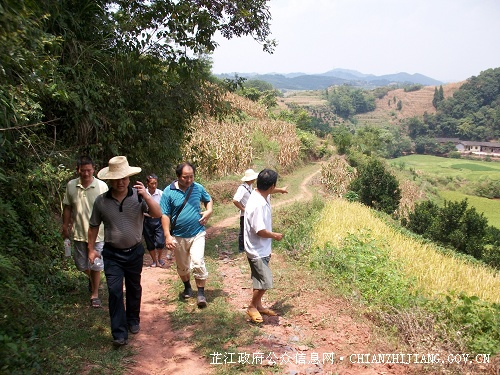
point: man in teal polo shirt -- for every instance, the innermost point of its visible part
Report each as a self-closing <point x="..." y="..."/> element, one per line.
<point x="184" y="226"/>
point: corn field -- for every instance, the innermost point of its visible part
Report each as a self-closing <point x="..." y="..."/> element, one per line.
<point x="336" y="176"/>
<point x="224" y="148"/>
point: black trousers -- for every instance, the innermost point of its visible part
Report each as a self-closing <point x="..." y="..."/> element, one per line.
<point x="241" y="240"/>
<point x="119" y="265"/>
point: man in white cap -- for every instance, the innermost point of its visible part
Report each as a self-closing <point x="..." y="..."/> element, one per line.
<point x="121" y="209"/>
<point x="240" y="200"/>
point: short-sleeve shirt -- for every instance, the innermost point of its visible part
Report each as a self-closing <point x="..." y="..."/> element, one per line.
<point x="257" y="217"/>
<point x="81" y="200"/>
<point x="123" y="221"/>
<point x="156" y="197"/>
<point x="187" y="224"/>
<point x="242" y="194"/>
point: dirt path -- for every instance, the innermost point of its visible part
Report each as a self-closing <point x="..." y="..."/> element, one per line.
<point x="327" y="324"/>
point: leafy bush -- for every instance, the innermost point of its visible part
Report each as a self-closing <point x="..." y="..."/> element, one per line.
<point x="477" y="321"/>
<point x="377" y="187"/>
<point x="414" y="87"/>
<point x="487" y="188"/>
<point x="453" y="224"/>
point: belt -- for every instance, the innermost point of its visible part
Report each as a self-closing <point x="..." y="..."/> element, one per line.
<point x="127" y="250"/>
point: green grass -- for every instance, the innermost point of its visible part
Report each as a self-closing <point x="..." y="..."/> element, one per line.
<point x="471" y="170"/>
<point x="489" y="207"/>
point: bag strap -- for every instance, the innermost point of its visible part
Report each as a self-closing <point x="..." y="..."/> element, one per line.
<point x="247" y="189"/>
<point x="172" y="225"/>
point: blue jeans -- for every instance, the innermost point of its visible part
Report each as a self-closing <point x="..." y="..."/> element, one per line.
<point x="118" y="265"/>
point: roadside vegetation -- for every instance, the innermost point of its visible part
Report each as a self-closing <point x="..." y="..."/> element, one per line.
<point x="77" y="78"/>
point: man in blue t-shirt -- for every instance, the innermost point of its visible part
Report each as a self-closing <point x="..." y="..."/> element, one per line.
<point x="184" y="226"/>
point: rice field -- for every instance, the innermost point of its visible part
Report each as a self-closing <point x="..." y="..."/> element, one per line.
<point x="471" y="170"/>
<point x="436" y="274"/>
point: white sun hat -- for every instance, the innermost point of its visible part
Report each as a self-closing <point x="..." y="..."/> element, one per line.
<point x="118" y="168"/>
<point x="250" y="175"/>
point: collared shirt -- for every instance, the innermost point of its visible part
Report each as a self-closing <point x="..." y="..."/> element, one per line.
<point x="242" y="194"/>
<point x="123" y="221"/>
<point x="187" y="224"/>
<point x="156" y="197"/>
<point x="257" y="217"/>
<point x="81" y="200"/>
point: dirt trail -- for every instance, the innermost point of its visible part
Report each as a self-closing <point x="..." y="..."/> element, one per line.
<point x="325" y="323"/>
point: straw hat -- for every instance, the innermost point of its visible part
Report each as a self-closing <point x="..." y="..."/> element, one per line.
<point x="118" y="168"/>
<point x="250" y="175"/>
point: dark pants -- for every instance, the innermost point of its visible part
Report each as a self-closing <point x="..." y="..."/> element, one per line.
<point x="153" y="233"/>
<point x="241" y="239"/>
<point x="120" y="264"/>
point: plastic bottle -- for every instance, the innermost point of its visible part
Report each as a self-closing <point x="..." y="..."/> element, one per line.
<point x="67" y="247"/>
<point x="97" y="262"/>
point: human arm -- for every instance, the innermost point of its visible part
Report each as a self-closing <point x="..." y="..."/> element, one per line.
<point x="282" y="190"/>
<point x="92" y="237"/>
<point x="67" y="224"/>
<point x="205" y="215"/>
<point x="154" y="208"/>
<point x="169" y="239"/>
<point x="239" y="205"/>
<point x="264" y="233"/>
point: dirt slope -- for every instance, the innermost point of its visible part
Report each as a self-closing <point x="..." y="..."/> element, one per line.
<point x="414" y="104"/>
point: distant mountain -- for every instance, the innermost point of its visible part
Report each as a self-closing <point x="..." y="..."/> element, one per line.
<point x="302" y="81"/>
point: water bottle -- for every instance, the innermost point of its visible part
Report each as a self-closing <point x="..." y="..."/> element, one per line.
<point x="97" y="262"/>
<point x="67" y="247"/>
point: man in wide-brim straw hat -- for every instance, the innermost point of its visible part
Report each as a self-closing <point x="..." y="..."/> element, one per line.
<point x="122" y="209"/>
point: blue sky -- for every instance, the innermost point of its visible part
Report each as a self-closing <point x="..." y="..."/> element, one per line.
<point x="448" y="40"/>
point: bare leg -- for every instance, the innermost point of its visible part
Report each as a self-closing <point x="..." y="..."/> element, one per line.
<point x="257" y="299"/>
<point x="95" y="278"/>
<point x="154" y="256"/>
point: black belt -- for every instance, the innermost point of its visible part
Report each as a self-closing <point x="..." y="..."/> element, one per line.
<point x="127" y="250"/>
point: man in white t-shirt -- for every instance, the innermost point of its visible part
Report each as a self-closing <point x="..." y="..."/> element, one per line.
<point x="258" y="236"/>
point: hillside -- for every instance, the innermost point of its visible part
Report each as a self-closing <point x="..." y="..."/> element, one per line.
<point x="301" y="81"/>
<point x="415" y="103"/>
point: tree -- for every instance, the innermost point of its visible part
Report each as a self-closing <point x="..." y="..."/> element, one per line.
<point x="453" y="224"/>
<point x="342" y="138"/>
<point x="376" y="187"/>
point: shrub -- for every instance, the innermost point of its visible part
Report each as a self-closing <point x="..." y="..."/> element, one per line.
<point x="453" y="225"/>
<point x="377" y="187"/>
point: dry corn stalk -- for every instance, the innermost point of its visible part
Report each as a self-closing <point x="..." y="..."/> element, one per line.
<point x="336" y="176"/>
<point x="410" y="194"/>
<point x="223" y="148"/>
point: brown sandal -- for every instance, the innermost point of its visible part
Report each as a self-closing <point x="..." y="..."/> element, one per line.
<point x="255" y="316"/>
<point x="95" y="303"/>
<point x="268" y="312"/>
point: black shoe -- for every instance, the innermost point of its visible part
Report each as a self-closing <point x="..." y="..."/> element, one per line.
<point x="119" y="342"/>
<point x="201" y="302"/>
<point x="187" y="293"/>
<point x="134" y="328"/>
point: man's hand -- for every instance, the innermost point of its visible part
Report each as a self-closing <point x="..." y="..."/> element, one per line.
<point x="141" y="189"/>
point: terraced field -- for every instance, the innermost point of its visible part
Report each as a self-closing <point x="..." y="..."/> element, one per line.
<point x="415" y="103"/>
